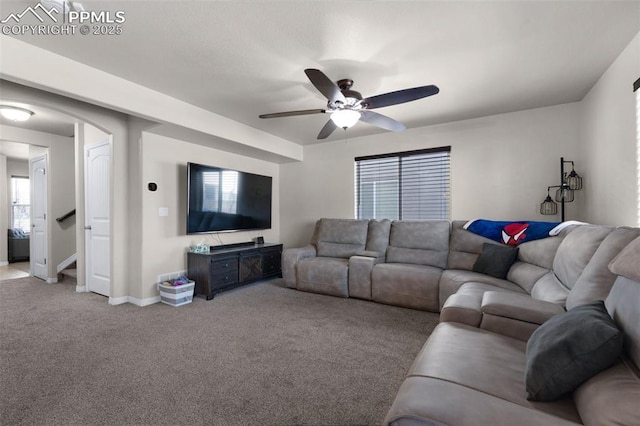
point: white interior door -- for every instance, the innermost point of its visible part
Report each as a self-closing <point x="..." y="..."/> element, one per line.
<point x="38" y="239"/>
<point x="97" y="227"/>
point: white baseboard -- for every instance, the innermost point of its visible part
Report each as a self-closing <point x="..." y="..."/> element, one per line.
<point x="144" y="302"/>
<point x="81" y="288"/>
<point x="52" y="280"/>
<point x="118" y="300"/>
<point x="5" y="263"/>
<point x="134" y="300"/>
<point x="68" y="261"/>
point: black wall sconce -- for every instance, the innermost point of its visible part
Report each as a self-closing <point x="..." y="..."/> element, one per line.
<point x="569" y="182"/>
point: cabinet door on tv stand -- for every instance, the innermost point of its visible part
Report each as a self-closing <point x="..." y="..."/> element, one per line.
<point x="271" y="261"/>
<point x="250" y="267"/>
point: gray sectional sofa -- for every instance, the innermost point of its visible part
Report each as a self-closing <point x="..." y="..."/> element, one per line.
<point x="472" y="368"/>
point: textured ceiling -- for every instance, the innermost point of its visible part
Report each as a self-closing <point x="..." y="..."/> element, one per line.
<point x="243" y="58"/>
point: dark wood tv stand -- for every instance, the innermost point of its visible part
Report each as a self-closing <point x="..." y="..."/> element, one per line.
<point x="227" y="267"/>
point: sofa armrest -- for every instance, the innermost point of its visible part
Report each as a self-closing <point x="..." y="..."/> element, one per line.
<point x="360" y="268"/>
<point x="290" y="258"/>
<point x="519" y="307"/>
<point x="515" y="315"/>
<point x="462" y="308"/>
<point x="378" y="256"/>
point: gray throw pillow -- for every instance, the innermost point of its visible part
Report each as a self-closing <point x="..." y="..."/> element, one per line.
<point x="569" y="349"/>
<point x="495" y="260"/>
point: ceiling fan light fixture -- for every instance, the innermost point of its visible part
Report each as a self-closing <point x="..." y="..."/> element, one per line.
<point x="345" y="118"/>
<point x="14" y="113"/>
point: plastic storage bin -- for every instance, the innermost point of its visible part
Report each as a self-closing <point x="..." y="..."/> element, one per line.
<point x="176" y="295"/>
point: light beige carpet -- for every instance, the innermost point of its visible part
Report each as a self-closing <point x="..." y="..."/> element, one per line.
<point x="262" y="354"/>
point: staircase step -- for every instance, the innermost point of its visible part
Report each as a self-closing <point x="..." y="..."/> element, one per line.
<point x="70" y="273"/>
<point x="68" y="276"/>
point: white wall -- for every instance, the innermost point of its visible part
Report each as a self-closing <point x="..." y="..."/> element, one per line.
<point x="17" y="167"/>
<point x="608" y="140"/>
<point x="500" y="168"/>
<point x="61" y="181"/>
<point x="4" y="220"/>
<point x="164" y="239"/>
<point x="50" y="71"/>
<point x="117" y="126"/>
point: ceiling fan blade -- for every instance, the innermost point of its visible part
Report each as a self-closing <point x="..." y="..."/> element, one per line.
<point x="293" y="113"/>
<point x="327" y="87"/>
<point x="381" y="121"/>
<point x="327" y="129"/>
<point x="399" y="97"/>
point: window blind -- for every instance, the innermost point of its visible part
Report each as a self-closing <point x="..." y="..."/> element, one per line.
<point x="407" y="185"/>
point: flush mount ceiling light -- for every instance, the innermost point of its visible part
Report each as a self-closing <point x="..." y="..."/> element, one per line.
<point x="14" y="113"/>
<point x="345" y="118"/>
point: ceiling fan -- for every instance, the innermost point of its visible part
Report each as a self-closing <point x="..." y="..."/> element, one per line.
<point x="347" y="106"/>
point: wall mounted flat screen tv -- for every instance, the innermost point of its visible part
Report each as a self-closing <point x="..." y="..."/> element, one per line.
<point x="220" y="200"/>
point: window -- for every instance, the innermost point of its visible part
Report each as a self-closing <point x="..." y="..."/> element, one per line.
<point x="20" y="200"/>
<point x="406" y="185"/>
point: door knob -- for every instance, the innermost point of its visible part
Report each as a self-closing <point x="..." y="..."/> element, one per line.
<point x="88" y="228"/>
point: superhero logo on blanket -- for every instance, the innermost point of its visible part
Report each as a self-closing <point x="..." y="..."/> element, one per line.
<point x="513" y="233"/>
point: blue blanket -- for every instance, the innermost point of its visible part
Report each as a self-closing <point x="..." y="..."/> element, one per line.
<point x="512" y="233"/>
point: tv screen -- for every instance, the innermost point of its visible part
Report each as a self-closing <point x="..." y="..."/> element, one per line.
<point x="226" y="200"/>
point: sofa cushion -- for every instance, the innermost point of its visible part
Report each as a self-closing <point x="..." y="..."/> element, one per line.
<point x="464" y="246"/>
<point x="550" y="289"/>
<point x="525" y="274"/>
<point x="495" y="260"/>
<point x="626" y="262"/>
<point x="412" y="286"/>
<point x="622" y="301"/>
<point x="326" y="275"/>
<point x="542" y="252"/>
<point x="342" y="238"/>
<point x="487" y="362"/>
<point x="596" y="280"/>
<point x="426" y="401"/>
<point x="569" y="349"/>
<point x="420" y="242"/>
<point x="378" y="235"/>
<point x="610" y="397"/>
<point x="575" y="252"/>
<point x="453" y="279"/>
